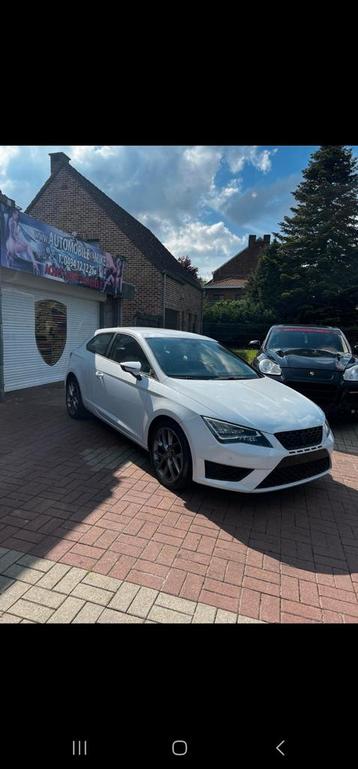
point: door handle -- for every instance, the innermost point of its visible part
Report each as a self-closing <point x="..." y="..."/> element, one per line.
<point x="99" y="374"/>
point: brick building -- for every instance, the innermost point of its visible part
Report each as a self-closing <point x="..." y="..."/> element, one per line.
<point x="157" y="290"/>
<point x="229" y="281"/>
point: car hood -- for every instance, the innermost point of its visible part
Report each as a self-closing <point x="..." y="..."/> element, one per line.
<point x="261" y="403"/>
<point x="300" y="360"/>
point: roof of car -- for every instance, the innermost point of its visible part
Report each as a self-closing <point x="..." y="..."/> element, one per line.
<point x="310" y="326"/>
<point x="151" y="331"/>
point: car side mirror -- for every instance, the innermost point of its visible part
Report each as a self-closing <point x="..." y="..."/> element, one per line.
<point x="133" y="367"/>
<point x="255" y="344"/>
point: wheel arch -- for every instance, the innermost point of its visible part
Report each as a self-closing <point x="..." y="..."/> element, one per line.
<point x="157" y="419"/>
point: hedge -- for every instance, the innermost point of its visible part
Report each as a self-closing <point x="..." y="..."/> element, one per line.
<point x="240" y="334"/>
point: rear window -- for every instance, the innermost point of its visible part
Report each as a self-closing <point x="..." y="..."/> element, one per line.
<point x="99" y="343"/>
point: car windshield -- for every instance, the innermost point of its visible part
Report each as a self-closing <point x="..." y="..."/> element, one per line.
<point x="310" y="341"/>
<point x="185" y="358"/>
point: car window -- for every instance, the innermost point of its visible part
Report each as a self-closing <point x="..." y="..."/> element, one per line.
<point x="125" y="348"/>
<point x="188" y="358"/>
<point x="301" y="339"/>
<point x="99" y="343"/>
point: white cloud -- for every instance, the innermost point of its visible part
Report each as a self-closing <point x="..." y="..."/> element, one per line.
<point x="174" y="189"/>
<point x="237" y="157"/>
<point x="87" y="154"/>
<point x="207" y="245"/>
<point x="6" y="154"/>
<point x="218" y="197"/>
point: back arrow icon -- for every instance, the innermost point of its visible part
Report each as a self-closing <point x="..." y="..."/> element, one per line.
<point x="279" y="746"/>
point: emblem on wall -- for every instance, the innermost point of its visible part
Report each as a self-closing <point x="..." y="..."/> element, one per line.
<point x="50" y="329"/>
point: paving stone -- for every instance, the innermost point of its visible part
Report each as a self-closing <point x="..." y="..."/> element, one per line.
<point x="67" y="611"/>
<point x="6" y="618"/>
<point x="143" y="602"/>
<point x="124" y="596"/>
<point x="100" y="580"/>
<point x="24" y="574"/>
<point x="32" y="611"/>
<point x="33" y="562"/>
<point x="5" y="582"/>
<point x="176" y="603"/>
<point x="160" y="614"/>
<point x="70" y="580"/>
<point x="110" y="616"/>
<point x="204" y="614"/>
<point x="6" y="560"/>
<point x="54" y="575"/>
<point x="3" y="551"/>
<point x="45" y="597"/>
<point x="88" y="614"/>
<point x="92" y="594"/>
<point x="12" y="594"/>
<point x="249" y="620"/>
<point x="227" y="617"/>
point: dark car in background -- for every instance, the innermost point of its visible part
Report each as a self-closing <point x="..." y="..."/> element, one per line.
<point x="316" y="361"/>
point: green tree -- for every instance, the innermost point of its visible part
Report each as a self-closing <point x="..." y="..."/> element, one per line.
<point x="185" y="262"/>
<point x="307" y="271"/>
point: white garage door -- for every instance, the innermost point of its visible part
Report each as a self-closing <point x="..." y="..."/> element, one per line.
<point x="24" y="365"/>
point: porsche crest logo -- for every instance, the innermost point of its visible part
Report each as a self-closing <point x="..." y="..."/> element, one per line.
<point x="50" y="330"/>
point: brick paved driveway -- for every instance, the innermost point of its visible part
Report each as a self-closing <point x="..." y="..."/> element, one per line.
<point x="88" y="535"/>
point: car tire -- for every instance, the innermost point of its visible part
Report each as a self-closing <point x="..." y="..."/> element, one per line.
<point x="74" y="403"/>
<point x="170" y="455"/>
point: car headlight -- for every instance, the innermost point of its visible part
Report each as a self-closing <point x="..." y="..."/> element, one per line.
<point x="351" y="374"/>
<point x="226" y="432"/>
<point x="325" y="430"/>
<point x="268" y="366"/>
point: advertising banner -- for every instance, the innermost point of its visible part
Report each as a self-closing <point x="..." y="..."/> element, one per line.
<point x="28" y="245"/>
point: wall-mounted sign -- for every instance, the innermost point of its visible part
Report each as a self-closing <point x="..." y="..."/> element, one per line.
<point x="29" y="245"/>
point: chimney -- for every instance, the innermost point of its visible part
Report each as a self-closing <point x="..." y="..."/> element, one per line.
<point x="58" y="159"/>
<point x="252" y="240"/>
<point x="267" y="239"/>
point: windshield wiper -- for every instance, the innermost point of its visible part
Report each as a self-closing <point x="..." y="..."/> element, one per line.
<point x="306" y="351"/>
<point x="185" y="376"/>
<point x="221" y="378"/>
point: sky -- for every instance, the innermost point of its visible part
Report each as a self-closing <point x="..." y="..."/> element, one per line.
<point x="200" y="201"/>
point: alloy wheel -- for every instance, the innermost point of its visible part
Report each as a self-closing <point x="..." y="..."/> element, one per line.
<point x="168" y="456"/>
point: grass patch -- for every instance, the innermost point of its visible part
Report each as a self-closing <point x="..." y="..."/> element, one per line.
<point x="248" y="355"/>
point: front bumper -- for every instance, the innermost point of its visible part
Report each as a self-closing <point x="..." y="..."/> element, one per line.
<point x="255" y="469"/>
<point x="336" y="396"/>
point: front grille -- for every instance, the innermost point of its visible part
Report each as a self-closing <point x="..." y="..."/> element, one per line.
<point x="298" y="468"/>
<point x="300" y="439"/>
<point x="322" y="394"/>
<point x="312" y="375"/>
<point x="218" y="472"/>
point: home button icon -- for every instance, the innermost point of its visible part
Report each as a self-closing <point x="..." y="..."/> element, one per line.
<point x="179" y="748"/>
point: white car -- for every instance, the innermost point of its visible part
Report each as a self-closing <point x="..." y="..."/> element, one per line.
<point x="202" y="412"/>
